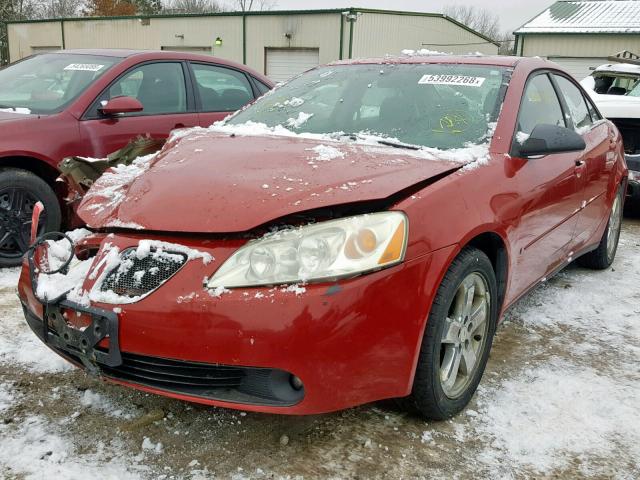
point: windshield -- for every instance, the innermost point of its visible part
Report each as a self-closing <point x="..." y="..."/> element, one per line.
<point x="47" y="83"/>
<point x="436" y="105"/>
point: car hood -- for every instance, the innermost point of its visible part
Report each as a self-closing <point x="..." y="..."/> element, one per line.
<point x="223" y="183"/>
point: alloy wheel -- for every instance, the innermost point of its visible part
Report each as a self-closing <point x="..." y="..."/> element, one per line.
<point x="16" y="208"/>
<point x="615" y="223"/>
<point x="464" y="334"/>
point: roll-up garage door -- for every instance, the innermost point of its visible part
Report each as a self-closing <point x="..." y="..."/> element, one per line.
<point x="284" y="63"/>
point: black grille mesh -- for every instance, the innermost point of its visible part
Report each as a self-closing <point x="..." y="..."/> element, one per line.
<point x="135" y="276"/>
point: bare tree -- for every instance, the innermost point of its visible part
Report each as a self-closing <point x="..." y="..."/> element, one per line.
<point x="248" y="5"/>
<point x="59" y="9"/>
<point x="192" y="6"/>
<point x="479" y="19"/>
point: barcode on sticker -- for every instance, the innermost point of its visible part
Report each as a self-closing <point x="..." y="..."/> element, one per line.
<point x="84" y="67"/>
<point x="463" y="80"/>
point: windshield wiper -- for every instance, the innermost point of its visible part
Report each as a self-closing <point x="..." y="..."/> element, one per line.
<point x="407" y="146"/>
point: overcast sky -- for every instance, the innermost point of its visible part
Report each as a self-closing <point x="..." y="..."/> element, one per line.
<point x="512" y="13"/>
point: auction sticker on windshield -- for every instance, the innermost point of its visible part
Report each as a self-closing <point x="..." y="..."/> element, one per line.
<point x="84" y="67"/>
<point x="463" y="80"/>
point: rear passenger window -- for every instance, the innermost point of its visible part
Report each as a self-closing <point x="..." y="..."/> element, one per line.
<point x="575" y="101"/>
<point x="221" y="89"/>
<point x="540" y="104"/>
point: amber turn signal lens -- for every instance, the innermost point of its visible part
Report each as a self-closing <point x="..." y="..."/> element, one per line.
<point x="395" y="248"/>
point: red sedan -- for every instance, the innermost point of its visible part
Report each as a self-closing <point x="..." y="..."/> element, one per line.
<point x="355" y="235"/>
<point x="90" y="103"/>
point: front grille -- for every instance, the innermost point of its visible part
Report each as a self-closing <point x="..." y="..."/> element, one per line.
<point x="138" y="276"/>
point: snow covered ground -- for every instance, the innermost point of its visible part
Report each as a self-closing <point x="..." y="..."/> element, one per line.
<point x="560" y="399"/>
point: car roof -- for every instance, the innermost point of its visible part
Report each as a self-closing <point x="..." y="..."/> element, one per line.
<point x="497" y="60"/>
<point x="619" y="68"/>
<point x="163" y="54"/>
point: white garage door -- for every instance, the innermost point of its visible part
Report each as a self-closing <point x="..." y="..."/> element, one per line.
<point x="284" y="63"/>
<point x="579" y="67"/>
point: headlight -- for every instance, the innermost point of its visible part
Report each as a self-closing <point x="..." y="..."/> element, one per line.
<point x="322" y="251"/>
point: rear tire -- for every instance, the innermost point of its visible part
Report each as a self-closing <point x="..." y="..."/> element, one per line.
<point x="603" y="256"/>
<point x="457" y="338"/>
<point x="19" y="192"/>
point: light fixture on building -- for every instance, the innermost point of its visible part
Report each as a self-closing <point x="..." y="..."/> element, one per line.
<point x="180" y="35"/>
<point x="218" y="42"/>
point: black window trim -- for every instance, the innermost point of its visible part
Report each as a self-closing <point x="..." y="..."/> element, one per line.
<point x="196" y="93"/>
<point x="575" y="84"/>
<point x="87" y="114"/>
<point x="547" y="72"/>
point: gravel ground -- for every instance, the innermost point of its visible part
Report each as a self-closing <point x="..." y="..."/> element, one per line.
<point x="560" y="399"/>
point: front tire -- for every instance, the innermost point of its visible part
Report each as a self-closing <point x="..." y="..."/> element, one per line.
<point x="457" y="339"/>
<point x="19" y="192"/>
<point x="603" y="256"/>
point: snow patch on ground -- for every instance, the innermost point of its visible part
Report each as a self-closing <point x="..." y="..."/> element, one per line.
<point x="99" y="402"/>
<point x="7" y="396"/>
<point x="9" y="277"/>
<point x="23" y="348"/>
<point x="559" y="411"/>
<point x="37" y="449"/>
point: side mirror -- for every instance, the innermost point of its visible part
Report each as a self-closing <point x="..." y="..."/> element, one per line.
<point x="546" y="139"/>
<point x="120" y="105"/>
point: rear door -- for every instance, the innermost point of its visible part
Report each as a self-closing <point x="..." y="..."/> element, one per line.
<point x="219" y="91"/>
<point x="598" y="158"/>
<point x="550" y="191"/>
<point x="166" y="97"/>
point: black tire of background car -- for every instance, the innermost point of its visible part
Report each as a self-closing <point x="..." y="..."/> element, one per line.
<point x="33" y="188"/>
<point x="427" y="397"/>
<point x="598" y="259"/>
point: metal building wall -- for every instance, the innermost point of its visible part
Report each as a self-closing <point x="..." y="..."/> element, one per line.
<point x="119" y="33"/>
<point x="576" y="45"/>
<point x="201" y="32"/>
<point x="320" y="31"/>
<point x="376" y="34"/>
<point x="23" y="37"/>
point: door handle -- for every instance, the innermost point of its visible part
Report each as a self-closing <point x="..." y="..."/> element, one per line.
<point x="580" y="163"/>
<point x="182" y="125"/>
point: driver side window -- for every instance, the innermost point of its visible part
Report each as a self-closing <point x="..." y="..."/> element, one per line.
<point x="160" y="87"/>
<point x="540" y="104"/>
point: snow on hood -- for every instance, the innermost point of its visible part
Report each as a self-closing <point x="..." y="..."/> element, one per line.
<point x="218" y="180"/>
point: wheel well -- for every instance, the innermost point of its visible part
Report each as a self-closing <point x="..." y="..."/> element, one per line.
<point x="33" y="165"/>
<point x="493" y="247"/>
<point x="46" y="172"/>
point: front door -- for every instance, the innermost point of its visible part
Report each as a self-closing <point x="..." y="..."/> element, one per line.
<point x="167" y="103"/>
<point x="551" y="193"/>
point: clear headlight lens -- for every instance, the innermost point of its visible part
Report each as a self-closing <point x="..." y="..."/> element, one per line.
<point x="321" y="251"/>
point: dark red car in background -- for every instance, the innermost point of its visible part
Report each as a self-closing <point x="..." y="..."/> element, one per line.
<point x="90" y="103"/>
<point x="318" y="265"/>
